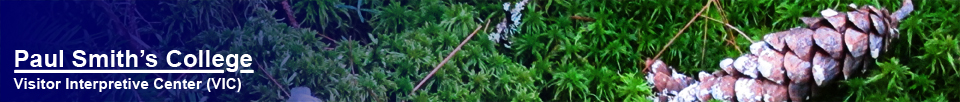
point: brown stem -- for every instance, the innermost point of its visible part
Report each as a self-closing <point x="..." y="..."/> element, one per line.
<point x="703" y="49"/>
<point x="731" y="27"/>
<point x="678" y="33"/>
<point x="290" y="17"/>
<point x="731" y="39"/>
<point x="279" y="86"/>
<point x="325" y="36"/>
<point x="454" y="52"/>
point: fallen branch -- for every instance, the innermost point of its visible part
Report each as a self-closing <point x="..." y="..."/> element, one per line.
<point x="424" y="80"/>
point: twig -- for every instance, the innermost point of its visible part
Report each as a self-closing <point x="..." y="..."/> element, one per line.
<point x="678" y="34"/>
<point x="235" y="21"/>
<point x="375" y="96"/>
<point x="582" y="18"/>
<point x="703" y="39"/>
<point x="328" y="38"/>
<point x="279" y="86"/>
<point x="731" y="38"/>
<point x="290" y="17"/>
<point x="731" y="27"/>
<point x="703" y="49"/>
<point x="485" y="27"/>
<point x="424" y="80"/>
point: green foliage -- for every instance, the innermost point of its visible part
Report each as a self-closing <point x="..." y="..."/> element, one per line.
<point x="398" y="17"/>
<point x="592" y="56"/>
<point x="633" y="88"/>
<point x="258" y="38"/>
<point x="553" y="58"/>
<point x="322" y="12"/>
<point x="394" y="17"/>
<point x="477" y="73"/>
<point x="928" y="41"/>
<point x="194" y="16"/>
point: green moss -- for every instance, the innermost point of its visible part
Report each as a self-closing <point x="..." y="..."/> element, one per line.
<point x="554" y="57"/>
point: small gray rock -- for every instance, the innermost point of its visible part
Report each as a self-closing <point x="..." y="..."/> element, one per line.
<point x="302" y="94"/>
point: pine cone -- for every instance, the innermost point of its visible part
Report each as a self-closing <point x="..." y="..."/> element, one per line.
<point x="792" y="64"/>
